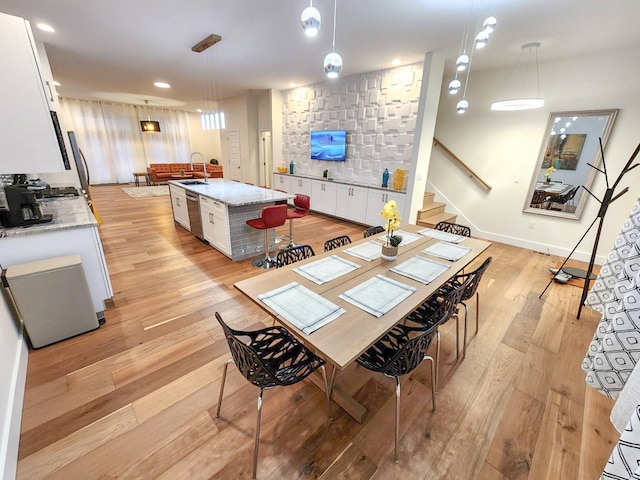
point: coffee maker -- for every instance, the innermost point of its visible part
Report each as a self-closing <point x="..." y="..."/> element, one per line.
<point x="23" y="208"/>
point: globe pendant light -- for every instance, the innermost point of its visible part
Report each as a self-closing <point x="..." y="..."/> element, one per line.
<point x="310" y="20"/>
<point x="454" y="86"/>
<point x="462" y="62"/>
<point x="333" y="61"/>
<point x="462" y="106"/>
<point x="489" y="24"/>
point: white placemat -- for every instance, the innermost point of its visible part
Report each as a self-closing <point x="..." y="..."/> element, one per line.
<point x="326" y="269"/>
<point x="378" y="295"/>
<point x="366" y="251"/>
<point x="421" y="269"/>
<point x="407" y="237"/>
<point x="447" y="251"/>
<point x="440" y="235"/>
<point x="305" y="309"/>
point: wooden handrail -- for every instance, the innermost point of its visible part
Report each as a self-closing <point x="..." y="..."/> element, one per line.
<point x="460" y="164"/>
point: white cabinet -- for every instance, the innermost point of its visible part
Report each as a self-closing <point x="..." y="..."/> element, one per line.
<point x="300" y="185"/>
<point x="376" y="199"/>
<point x="281" y="182"/>
<point x="352" y="203"/>
<point x="179" y="206"/>
<point x="323" y="197"/>
<point x="215" y="224"/>
<point x="28" y="142"/>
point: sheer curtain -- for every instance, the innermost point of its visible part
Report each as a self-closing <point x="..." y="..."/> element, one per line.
<point x="113" y="144"/>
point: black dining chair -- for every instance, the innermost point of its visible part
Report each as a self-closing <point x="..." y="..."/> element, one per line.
<point x="336" y="242"/>
<point x="437" y="310"/>
<point x="454" y="228"/>
<point x="293" y="255"/>
<point x="267" y="358"/>
<point x="562" y="199"/>
<point x="368" y="232"/>
<point x="397" y="353"/>
<point x="469" y="292"/>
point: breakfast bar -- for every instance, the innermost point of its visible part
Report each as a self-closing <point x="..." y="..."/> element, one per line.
<point x="217" y="212"/>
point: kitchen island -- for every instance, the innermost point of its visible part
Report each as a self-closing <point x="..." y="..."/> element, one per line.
<point x="224" y="208"/>
<point x="73" y="230"/>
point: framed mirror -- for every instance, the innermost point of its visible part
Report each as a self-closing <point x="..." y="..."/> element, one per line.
<point x="569" y="144"/>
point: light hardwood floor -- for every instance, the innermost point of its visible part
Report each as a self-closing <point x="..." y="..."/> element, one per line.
<point x="137" y="398"/>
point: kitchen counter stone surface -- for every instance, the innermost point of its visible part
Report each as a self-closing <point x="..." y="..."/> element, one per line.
<point x="68" y="212"/>
<point x="234" y="194"/>
<point x="346" y="182"/>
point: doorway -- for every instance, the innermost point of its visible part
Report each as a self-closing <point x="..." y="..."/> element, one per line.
<point x="265" y="159"/>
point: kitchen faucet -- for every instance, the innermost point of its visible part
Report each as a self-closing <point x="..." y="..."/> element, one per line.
<point x="204" y="166"/>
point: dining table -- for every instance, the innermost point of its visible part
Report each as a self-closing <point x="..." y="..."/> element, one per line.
<point x="554" y="189"/>
<point x="356" y="295"/>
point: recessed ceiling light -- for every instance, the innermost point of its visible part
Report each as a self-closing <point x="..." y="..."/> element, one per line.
<point x="199" y="110"/>
<point x="45" y="27"/>
<point x="396" y="62"/>
<point x="292" y="84"/>
<point x="162" y="85"/>
<point x="56" y="83"/>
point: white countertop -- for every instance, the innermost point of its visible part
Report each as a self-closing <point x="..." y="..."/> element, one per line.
<point x="234" y="194"/>
<point x="344" y="182"/>
<point x="68" y="212"/>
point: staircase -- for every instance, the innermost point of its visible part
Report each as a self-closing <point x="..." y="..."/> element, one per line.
<point x="433" y="212"/>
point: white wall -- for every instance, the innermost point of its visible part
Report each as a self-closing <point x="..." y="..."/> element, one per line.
<point x="503" y="147"/>
<point x="13" y="371"/>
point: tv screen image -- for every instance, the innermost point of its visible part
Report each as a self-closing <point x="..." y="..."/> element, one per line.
<point x="329" y="145"/>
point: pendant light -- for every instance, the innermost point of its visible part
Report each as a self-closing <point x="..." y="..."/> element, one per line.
<point x="210" y="119"/>
<point x="463" y="62"/>
<point x="333" y="61"/>
<point x="310" y="20"/>
<point x="530" y="98"/>
<point x="149" y="126"/>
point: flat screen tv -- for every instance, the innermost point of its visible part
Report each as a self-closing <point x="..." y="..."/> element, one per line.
<point x="329" y="145"/>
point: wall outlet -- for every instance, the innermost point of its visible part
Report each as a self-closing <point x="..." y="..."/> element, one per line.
<point x="532" y="225"/>
<point x="516" y="179"/>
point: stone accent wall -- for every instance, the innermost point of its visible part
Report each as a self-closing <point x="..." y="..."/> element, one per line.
<point x="377" y="109"/>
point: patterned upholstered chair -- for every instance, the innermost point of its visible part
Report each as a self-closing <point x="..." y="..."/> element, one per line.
<point x="268" y="358"/>
<point x="336" y="242"/>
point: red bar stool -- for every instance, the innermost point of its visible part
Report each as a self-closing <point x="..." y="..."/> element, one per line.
<point x="272" y="216"/>
<point x="302" y="205"/>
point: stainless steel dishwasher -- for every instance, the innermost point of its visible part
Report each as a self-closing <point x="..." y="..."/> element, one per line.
<point x="193" y="208"/>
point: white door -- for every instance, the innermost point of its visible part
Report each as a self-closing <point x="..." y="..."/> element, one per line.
<point x="235" y="161"/>
<point x="265" y="159"/>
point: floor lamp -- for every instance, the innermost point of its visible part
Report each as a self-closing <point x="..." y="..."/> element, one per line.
<point x="608" y="198"/>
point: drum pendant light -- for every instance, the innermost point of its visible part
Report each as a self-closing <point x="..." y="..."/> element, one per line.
<point x="149" y="126"/>
<point x="530" y="95"/>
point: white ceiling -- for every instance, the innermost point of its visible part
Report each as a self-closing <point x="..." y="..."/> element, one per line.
<point x="116" y="49"/>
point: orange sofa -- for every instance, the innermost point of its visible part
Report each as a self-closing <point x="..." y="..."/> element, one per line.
<point x="162" y="172"/>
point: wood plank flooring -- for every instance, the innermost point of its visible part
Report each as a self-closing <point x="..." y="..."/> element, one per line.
<point x="137" y="398"/>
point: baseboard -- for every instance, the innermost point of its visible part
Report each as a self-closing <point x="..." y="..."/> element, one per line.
<point x="11" y="434"/>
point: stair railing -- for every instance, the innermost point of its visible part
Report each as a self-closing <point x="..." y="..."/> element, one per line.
<point x="460" y="164"/>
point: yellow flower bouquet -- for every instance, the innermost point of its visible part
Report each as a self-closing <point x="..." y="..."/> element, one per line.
<point x="547" y="174"/>
<point x="390" y="214"/>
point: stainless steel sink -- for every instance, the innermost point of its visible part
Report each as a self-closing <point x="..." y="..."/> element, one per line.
<point x="191" y="182"/>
